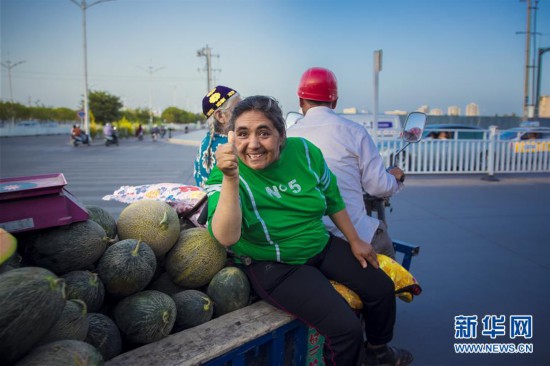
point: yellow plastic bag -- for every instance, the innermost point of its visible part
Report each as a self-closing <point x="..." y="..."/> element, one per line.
<point x="406" y="286"/>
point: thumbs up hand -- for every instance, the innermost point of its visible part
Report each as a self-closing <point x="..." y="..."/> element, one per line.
<point x="227" y="157"/>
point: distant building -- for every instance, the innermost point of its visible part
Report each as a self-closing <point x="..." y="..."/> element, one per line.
<point x="396" y="112"/>
<point x="472" y="110"/>
<point x="424" y="109"/>
<point x="436" y="112"/>
<point x="544" y="106"/>
<point x="351" y="110"/>
<point x="453" y="110"/>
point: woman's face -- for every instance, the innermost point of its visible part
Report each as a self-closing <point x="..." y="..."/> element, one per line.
<point x="257" y="140"/>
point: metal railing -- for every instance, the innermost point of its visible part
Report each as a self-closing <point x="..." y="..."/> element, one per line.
<point x="484" y="152"/>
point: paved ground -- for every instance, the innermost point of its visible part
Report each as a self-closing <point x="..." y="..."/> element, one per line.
<point x="485" y="246"/>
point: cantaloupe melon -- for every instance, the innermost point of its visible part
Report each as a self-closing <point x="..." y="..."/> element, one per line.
<point x="72" y="324"/>
<point x="193" y="308"/>
<point x="145" y="317"/>
<point x="104" y="219"/>
<point x="65" y="352"/>
<point x="31" y="301"/>
<point x="127" y="267"/>
<point x="86" y="286"/>
<point x="153" y="222"/>
<point x="104" y="335"/>
<point x="8" y="246"/>
<point x="164" y="283"/>
<point x="195" y="258"/>
<point x="230" y="290"/>
<point x="69" y="248"/>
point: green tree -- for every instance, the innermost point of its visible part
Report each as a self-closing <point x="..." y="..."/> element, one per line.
<point x="41" y="113"/>
<point x="176" y="115"/>
<point x="173" y="115"/>
<point x="139" y="115"/>
<point x="16" y="111"/>
<point x="106" y="107"/>
<point x="64" y="114"/>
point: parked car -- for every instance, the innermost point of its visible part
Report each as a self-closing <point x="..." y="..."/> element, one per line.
<point x="527" y="139"/>
<point x="454" y="132"/>
<point x="436" y="150"/>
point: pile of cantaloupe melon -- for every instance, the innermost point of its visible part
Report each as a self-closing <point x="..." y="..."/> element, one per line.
<point x="92" y="290"/>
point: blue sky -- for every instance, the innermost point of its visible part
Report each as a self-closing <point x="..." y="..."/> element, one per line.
<point x="435" y="52"/>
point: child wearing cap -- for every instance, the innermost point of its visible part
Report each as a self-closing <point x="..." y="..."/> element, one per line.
<point x="217" y="106"/>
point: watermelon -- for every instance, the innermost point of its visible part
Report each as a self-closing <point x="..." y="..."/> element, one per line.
<point x="229" y="289"/>
<point x="195" y="258"/>
<point x="69" y="248"/>
<point x="86" y="286"/>
<point x="65" y="352"/>
<point x="153" y="222"/>
<point x="193" y="308"/>
<point x="104" y="219"/>
<point x="127" y="267"/>
<point x="72" y="324"/>
<point x="145" y="317"/>
<point x="104" y="335"/>
<point x="31" y="301"/>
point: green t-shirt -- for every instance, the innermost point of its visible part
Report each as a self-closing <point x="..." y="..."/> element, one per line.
<point x="283" y="205"/>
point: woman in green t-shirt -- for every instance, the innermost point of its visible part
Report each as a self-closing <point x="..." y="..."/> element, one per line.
<point x="267" y="196"/>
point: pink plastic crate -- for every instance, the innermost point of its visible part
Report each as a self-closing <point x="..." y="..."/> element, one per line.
<point x="38" y="202"/>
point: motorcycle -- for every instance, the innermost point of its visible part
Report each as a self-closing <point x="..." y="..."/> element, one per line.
<point x="81" y="139"/>
<point x="112" y="139"/>
<point x="411" y="133"/>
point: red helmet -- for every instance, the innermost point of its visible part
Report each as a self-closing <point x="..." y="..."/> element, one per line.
<point x="318" y="84"/>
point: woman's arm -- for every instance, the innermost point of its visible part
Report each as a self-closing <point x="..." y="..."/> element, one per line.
<point x="362" y="250"/>
<point x="226" y="222"/>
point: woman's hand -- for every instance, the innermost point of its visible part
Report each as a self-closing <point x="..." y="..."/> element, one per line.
<point x="364" y="253"/>
<point x="227" y="157"/>
<point x="227" y="220"/>
<point x="362" y="250"/>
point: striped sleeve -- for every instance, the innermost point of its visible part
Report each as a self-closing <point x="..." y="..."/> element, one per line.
<point x="326" y="179"/>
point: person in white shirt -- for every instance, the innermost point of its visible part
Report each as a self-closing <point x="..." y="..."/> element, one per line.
<point x="350" y="154"/>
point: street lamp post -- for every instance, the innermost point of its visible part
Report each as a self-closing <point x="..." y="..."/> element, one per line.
<point x="537" y="95"/>
<point x="8" y="65"/>
<point x="82" y="5"/>
<point x="206" y="52"/>
<point x="377" y="68"/>
<point x="151" y="70"/>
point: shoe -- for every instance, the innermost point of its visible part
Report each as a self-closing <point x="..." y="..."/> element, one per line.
<point x="387" y="356"/>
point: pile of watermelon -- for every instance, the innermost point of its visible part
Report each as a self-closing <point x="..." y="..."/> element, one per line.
<point x="92" y="290"/>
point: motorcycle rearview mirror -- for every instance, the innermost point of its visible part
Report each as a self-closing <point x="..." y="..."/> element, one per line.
<point x="412" y="131"/>
<point x="292" y="118"/>
<point x="414" y="127"/>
